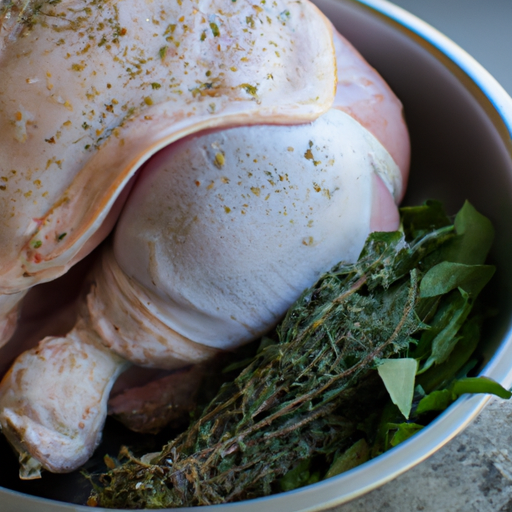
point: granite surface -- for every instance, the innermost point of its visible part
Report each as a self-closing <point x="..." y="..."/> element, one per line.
<point x="471" y="473"/>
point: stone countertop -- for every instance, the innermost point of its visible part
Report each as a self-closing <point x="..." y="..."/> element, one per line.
<point x="472" y="473"/>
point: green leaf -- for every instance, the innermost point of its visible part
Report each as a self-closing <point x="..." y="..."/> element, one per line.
<point x="440" y="400"/>
<point x="448" y="276"/>
<point x="389" y="415"/>
<point x="417" y="221"/>
<point x="297" y="477"/>
<point x="447" y="322"/>
<point x="436" y="401"/>
<point x="475" y="236"/>
<point x="403" y="432"/>
<point x="387" y="257"/>
<point x="358" y="453"/>
<point x="441" y="374"/>
<point x="480" y="385"/>
<point x="399" y="376"/>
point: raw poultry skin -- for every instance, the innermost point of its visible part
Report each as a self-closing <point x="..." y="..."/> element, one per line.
<point x="220" y="233"/>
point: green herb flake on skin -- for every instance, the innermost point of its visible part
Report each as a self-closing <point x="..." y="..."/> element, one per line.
<point x="250" y="89"/>
<point x="215" y="29"/>
<point x="162" y="52"/>
<point x="284" y="16"/>
<point x="170" y="29"/>
<point x="250" y="21"/>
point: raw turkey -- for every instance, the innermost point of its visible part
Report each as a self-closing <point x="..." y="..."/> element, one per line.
<point x="231" y="152"/>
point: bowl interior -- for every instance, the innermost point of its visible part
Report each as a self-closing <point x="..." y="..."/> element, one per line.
<point x="461" y="149"/>
<point x="461" y="146"/>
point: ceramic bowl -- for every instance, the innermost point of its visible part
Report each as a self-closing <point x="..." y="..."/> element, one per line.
<point x="460" y="122"/>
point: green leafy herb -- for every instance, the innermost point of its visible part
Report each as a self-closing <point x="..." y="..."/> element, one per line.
<point x="402" y="432"/>
<point x="299" y="477"/>
<point x="446" y="324"/>
<point x="474" y="240"/>
<point x="407" y="302"/>
<point x="354" y="456"/>
<point x="440" y="400"/>
<point x="399" y="377"/>
<point x="448" y="276"/>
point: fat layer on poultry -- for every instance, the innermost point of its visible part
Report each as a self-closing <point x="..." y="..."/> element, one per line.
<point x="243" y="148"/>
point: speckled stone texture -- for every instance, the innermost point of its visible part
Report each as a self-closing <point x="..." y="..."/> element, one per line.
<point x="471" y="473"/>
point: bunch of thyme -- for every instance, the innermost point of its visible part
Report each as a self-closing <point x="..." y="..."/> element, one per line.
<point x="288" y="404"/>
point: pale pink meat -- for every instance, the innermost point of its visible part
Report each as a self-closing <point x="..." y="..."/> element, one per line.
<point x="165" y="399"/>
<point x="89" y="91"/>
<point x="362" y="93"/>
<point x="219" y="235"/>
